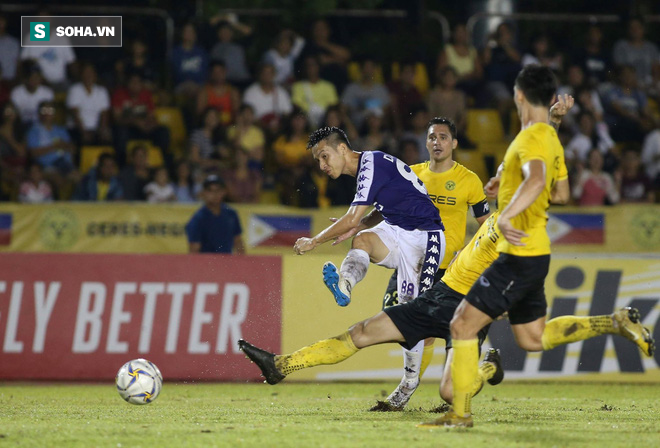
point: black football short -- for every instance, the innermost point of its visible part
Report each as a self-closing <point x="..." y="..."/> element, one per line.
<point x="512" y="284"/>
<point x="428" y="316"/>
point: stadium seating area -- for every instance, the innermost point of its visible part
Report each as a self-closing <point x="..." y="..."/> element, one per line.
<point x="218" y="109"/>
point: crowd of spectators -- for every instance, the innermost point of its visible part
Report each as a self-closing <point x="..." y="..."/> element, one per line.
<point x="246" y="119"/>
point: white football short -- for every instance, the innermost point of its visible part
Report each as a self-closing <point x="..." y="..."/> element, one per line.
<point x="416" y="254"/>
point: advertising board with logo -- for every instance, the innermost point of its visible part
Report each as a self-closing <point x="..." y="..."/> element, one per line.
<point x="268" y="229"/>
<point x="65" y="316"/>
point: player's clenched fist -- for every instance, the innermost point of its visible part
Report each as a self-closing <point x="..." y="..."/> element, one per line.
<point x="303" y="245"/>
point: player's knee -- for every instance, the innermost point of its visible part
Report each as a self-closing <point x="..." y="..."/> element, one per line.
<point x="361" y="241"/>
<point x="530" y="342"/>
<point x="459" y="328"/>
<point x="358" y="334"/>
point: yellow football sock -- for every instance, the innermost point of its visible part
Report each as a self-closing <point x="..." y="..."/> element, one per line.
<point x="485" y="372"/>
<point x="567" y="329"/>
<point x="427" y="356"/>
<point x="327" y="351"/>
<point x="464" y="373"/>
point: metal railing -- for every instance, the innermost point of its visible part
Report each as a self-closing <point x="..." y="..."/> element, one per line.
<point x="538" y="17"/>
<point x="260" y="12"/>
<point x="444" y="25"/>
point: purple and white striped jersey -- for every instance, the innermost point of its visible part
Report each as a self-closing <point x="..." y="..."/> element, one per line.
<point x="395" y="190"/>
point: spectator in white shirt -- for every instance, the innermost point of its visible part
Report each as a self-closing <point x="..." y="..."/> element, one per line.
<point x="35" y="189"/>
<point x="269" y="101"/>
<point x="283" y="56"/>
<point x="89" y="105"/>
<point x="54" y="60"/>
<point x="636" y="51"/>
<point x="160" y="189"/>
<point x="590" y="135"/>
<point x="27" y="96"/>
<point x="651" y="156"/>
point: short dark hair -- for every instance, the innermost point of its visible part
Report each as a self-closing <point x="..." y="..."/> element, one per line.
<point x="244" y="107"/>
<point x="216" y="62"/>
<point x="134" y="73"/>
<point x="224" y="24"/>
<point x="448" y="69"/>
<point x="35" y="164"/>
<point x="139" y="147"/>
<point x="103" y="157"/>
<point x="333" y="134"/>
<point x="585" y="113"/>
<point x="46" y="103"/>
<point x="443" y="121"/>
<point x="538" y="84"/>
<point x="636" y="18"/>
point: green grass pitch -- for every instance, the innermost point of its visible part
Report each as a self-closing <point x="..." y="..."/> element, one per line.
<point x="326" y="415"/>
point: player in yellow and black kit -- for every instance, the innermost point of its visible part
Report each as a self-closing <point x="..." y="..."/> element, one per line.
<point x="454" y="190"/>
<point x="532" y="171"/>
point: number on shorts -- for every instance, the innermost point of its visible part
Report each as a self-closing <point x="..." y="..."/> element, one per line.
<point x="408" y="289"/>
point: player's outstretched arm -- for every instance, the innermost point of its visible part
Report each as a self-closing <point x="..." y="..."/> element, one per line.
<point x="350" y="221"/>
<point x="373" y="218"/>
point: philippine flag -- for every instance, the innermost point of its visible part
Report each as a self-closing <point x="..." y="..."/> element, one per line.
<point x="576" y="228"/>
<point x="278" y="230"/>
<point x="5" y="229"/>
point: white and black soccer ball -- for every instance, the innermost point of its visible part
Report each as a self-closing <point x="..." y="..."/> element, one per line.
<point x="139" y="381"/>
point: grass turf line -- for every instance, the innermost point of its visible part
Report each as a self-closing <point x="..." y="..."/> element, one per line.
<point x="326" y="415"/>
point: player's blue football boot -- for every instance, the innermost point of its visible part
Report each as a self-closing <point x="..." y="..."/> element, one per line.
<point x="340" y="288"/>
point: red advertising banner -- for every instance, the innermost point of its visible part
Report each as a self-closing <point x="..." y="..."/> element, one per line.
<point x="81" y="316"/>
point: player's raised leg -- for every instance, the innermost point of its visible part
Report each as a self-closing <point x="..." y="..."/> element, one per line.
<point x="375" y="330"/>
<point x="366" y="247"/>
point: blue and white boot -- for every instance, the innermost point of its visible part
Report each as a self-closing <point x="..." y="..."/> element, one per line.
<point x="338" y="286"/>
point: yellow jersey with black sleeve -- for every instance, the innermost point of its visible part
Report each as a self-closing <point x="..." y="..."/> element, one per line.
<point x="537" y="142"/>
<point x="473" y="260"/>
<point x="454" y="192"/>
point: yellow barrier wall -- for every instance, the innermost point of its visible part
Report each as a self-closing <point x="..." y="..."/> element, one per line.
<point x="145" y="228"/>
<point x="309" y="312"/>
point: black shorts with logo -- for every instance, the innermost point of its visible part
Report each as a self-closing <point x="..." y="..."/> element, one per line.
<point x="428" y="316"/>
<point x="512" y="284"/>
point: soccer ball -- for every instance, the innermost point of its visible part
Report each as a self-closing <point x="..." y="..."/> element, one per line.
<point x="139" y="381"/>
